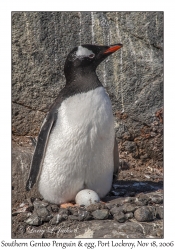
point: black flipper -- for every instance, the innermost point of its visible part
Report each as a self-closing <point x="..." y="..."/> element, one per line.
<point x="40" y="149"/>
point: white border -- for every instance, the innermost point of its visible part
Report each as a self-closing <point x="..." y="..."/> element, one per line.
<point x="5" y="94"/>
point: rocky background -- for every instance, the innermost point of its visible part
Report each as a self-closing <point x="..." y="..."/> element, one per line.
<point x="133" y="77"/>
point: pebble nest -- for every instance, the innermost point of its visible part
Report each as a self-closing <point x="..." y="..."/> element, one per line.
<point x="139" y="206"/>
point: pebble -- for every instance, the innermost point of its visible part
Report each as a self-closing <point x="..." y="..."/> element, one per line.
<point x="73" y="217"/>
<point x="120" y="217"/>
<point x="129" y="215"/>
<point x="144" y="213"/>
<point x="116" y="210"/>
<point x="58" y="218"/>
<point x="127" y="207"/>
<point x="100" y="214"/>
<point x="64" y="213"/>
<point x="23" y="207"/>
<point x="157" y="199"/>
<point x="143" y="207"/>
<point x="159" y="212"/>
<point x="44" y="214"/>
<point x="23" y="216"/>
<point x="40" y="204"/>
<point x="84" y="215"/>
<point x="129" y="200"/>
<point x="109" y="205"/>
<point x="94" y="207"/>
<point x="142" y="200"/>
<point x="160" y="233"/>
<point x="54" y="208"/>
<point x="145" y="156"/>
<point x="34" y="220"/>
<point x="72" y="210"/>
<point x="80" y="215"/>
<point x="147" y="176"/>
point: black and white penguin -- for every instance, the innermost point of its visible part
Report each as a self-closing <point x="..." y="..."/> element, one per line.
<point x="76" y="147"/>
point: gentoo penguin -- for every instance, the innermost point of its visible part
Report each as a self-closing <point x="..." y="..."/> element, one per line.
<point x="76" y="147"/>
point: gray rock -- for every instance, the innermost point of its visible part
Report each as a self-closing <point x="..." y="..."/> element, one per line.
<point x="22" y="209"/>
<point x="129" y="215"/>
<point x="73" y="217"/>
<point x="84" y="215"/>
<point x="64" y="211"/>
<point x="158" y="199"/>
<point x="116" y="210"/>
<point x="159" y="233"/>
<point x="144" y="214"/>
<point x="80" y="213"/>
<point x="23" y="216"/>
<point x="94" y="207"/>
<point x="100" y="214"/>
<point x="71" y="210"/>
<point x="142" y="200"/>
<point x="34" y="220"/>
<point x="54" y="208"/>
<point x="77" y="213"/>
<point x="145" y="156"/>
<point x="26" y="206"/>
<point x="44" y="214"/>
<point x="127" y="207"/>
<point x="120" y="217"/>
<point x="30" y="206"/>
<point x="109" y="205"/>
<point x="58" y="218"/>
<point x="131" y="228"/>
<point x="159" y="212"/>
<point x="129" y="200"/>
<point x="40" y="208"/>
<point x="40" y="204"/>
<point x="119" y="201"/>
<point x="61" y="216"/>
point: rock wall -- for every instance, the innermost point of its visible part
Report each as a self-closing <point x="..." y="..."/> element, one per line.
<point x="133" y="76"/>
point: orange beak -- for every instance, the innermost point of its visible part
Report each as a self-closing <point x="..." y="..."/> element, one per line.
<point x="113" y="48"/>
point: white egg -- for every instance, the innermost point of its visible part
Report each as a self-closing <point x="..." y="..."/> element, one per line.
<point x="86" y="197"/>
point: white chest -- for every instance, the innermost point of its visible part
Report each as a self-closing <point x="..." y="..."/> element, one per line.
<point x="80" y="147"/>
<point x="84" y="110"/>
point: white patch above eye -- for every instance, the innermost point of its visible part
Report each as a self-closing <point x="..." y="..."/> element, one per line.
<point x="82" y="51"/>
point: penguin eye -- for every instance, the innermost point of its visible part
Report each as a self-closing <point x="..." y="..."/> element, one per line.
<point x="91" y="55"/>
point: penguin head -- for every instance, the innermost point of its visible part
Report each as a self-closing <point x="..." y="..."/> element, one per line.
<point x="87" y="57"/>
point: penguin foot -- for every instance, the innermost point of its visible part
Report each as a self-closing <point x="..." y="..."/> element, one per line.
<point x="66" y="205"/>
